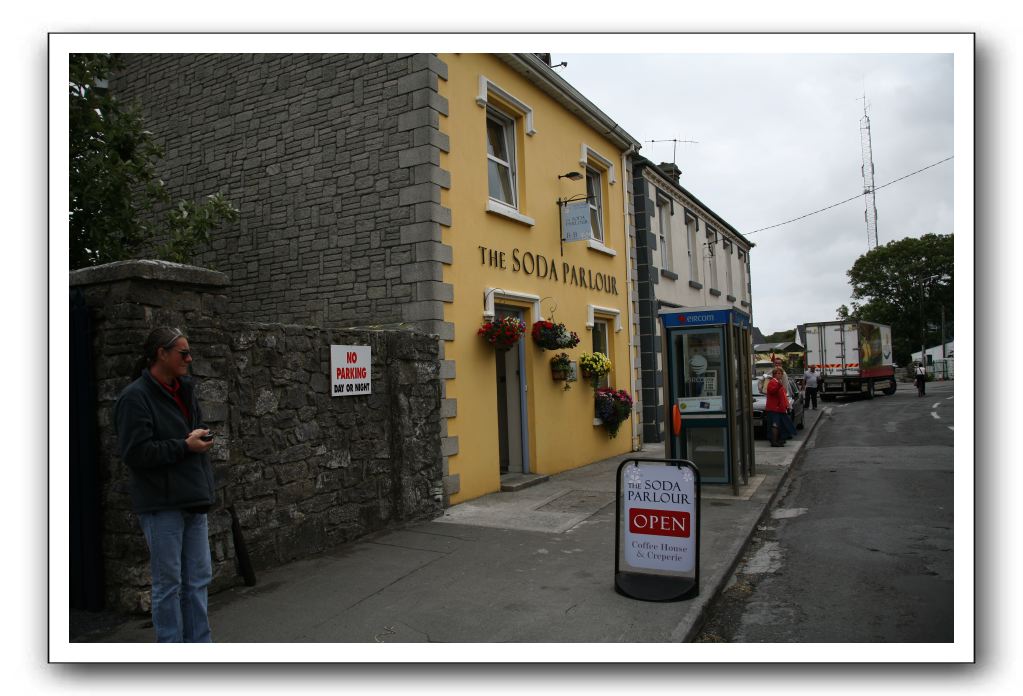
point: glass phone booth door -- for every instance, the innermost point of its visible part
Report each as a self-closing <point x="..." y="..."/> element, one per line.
<point x="707" y="393"/>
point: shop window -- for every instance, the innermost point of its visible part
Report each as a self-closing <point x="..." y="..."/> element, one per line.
<point x="602" y="344"/>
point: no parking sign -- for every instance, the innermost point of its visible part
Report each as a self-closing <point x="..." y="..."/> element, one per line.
<point x="657" y="541"/>
<point x="350" y="370"/>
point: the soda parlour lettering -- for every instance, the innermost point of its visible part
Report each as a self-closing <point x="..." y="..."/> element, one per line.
<point x="538" y="265"/>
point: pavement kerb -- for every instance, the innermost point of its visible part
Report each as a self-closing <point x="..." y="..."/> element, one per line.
<point x="721" y="583"/>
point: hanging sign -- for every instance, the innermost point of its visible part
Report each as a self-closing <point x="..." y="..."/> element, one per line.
<point x="657" y="541"/>
<point x="350" y="370"/>
<point x="575" y="221"/>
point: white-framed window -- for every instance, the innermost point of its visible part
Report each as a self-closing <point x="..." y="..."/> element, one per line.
<point x="693" y="250"/>
<point x="502" y="176"/>
<point x="595" y="198"/>
<point x="712" y="257"/>
<point x="664" y="231"/>
<point x="726" y="246"/>
<point x="743" y="259"/>
<point x="601" y="334"/>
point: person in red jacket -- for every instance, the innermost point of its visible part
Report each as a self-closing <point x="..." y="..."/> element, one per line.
<point x="777" y="407"/>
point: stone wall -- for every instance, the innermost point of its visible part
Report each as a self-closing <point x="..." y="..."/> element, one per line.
<point x="334" y="163"/>
<point x="304" y="470"/>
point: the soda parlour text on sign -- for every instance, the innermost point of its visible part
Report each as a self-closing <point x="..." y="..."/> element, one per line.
<point x="659" y="511"/>
<point x="350" y="371"/>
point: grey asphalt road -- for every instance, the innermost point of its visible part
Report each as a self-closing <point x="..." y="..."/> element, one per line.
<point x="858" y="546"/>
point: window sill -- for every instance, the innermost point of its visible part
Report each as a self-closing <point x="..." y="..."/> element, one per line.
<point x="744" y="303"/>
<point x="715" y="292"/>
<point x="509" y="212"/>
<point x="730" y="298"/>
<point x="598" y="246"/>
<point x="694" y="284"/>
<point x="597" y="421"/>
<point x="670" y="275"/>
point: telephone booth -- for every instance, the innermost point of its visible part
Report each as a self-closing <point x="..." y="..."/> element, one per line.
<point x="707" y="359"/>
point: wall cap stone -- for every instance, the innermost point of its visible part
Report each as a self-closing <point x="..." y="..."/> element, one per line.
<point x="148" y="269"/>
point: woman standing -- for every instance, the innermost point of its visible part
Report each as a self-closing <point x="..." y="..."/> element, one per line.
<point x="165" y="444"/>
<point x="777" y="408"/>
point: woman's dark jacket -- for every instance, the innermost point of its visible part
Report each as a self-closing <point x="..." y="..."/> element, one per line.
<point x="151" y="432"/>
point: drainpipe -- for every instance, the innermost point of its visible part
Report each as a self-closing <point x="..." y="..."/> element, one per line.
<point x="637" y="443"/>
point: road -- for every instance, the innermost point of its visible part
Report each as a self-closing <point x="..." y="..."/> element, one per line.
<point x="858" y="547"/>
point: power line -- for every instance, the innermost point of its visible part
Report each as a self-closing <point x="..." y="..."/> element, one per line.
<point x="835" y="205"/>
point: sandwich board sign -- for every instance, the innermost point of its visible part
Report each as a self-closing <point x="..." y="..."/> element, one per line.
<point x="657" y="530"/>
<point x="351" y="373"/>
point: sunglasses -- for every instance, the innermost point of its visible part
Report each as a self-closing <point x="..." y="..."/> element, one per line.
<point x="185" y="353"/>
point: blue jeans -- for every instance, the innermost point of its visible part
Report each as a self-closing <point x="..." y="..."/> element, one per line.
<point x="179" y="552"/>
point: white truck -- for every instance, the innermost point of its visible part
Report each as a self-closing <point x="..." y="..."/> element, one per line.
<point x="854" y="357"/>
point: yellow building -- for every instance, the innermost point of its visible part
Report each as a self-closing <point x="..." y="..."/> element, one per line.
<point x="521" y="141"/>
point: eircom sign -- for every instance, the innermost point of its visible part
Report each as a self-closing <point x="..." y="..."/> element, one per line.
<point x="350" y="370"/>
<point x="657" y="543"/>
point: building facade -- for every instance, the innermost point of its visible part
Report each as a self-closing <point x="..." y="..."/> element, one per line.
<point x="421" y="190"/>
<point x="687" y="257"/>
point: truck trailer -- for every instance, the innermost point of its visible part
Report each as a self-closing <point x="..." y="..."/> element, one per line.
<point x="854" y="357"/>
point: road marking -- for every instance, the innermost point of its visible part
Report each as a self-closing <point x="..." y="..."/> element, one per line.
<point x="950" y="428"/>
<point x="935" y="415"/>
<point x="785" y="513"/>
<point x="936" y="405"/>
<point x="949" y="397"/>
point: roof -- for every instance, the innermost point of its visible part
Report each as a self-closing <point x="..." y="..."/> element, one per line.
<point x="533" y="68"/>
<point x="641" y="161"/>
<point x="783" y="347"/>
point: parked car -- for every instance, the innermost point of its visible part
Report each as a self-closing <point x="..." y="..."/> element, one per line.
<point x="760" y="405"/>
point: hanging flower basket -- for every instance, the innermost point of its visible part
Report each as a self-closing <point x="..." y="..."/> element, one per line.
<point x="594" y="366"/>
<point x="560" y="366"/>
<point x="502" y="333"/>
<point x="550" y="336"/>
<point x="612" y="406"/>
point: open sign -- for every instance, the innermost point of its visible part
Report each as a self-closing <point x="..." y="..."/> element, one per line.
<point x="657" y="544"/>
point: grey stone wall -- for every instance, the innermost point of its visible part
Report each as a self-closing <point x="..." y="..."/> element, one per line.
<point x="333" y="161"/>
<point x="305" y="471"/>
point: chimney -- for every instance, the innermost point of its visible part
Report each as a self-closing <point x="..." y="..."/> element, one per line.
<point x="670" y="170"/>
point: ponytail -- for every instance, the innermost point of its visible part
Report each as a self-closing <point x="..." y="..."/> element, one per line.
<point x="160" y="337"/>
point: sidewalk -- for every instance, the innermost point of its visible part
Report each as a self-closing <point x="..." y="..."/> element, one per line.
<point x="535" y="565"/>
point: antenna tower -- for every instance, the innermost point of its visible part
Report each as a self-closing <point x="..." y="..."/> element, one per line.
<point x="870" y="209"/>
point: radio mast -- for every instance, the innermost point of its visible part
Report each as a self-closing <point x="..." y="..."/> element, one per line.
<point x="870" y="209"/>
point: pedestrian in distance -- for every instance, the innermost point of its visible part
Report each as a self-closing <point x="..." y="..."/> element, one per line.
<point x="811" y="380"/>
<point x="921" y="379"/>
<point x="165" y="444"/>
<point x="777" y="409"/>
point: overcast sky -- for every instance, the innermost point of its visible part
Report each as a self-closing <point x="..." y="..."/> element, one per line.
<point x="779" y="136"/>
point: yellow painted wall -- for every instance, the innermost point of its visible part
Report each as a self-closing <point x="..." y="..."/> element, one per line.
<point x="561" y="431"/>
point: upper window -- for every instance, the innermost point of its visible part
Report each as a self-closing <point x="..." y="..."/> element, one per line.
<point x="729" y="283"/>
<point x="594" y="189"/>
<point x="501" y="172"/>
<point x="694" y="256"/>
<point x="664" y="231"/>
<point x="712" y="239"/>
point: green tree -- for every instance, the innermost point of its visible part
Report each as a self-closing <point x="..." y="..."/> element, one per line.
<point x="114" y="188"/>
<point x="906" y="284"/>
